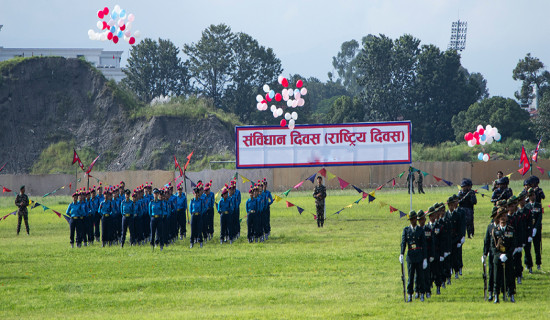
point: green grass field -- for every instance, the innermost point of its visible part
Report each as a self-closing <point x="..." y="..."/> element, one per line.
<point x="349" y="269"/>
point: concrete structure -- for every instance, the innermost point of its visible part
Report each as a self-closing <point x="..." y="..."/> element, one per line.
<point x="108" y="62"/>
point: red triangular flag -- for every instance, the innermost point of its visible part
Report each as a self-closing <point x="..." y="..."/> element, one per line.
<point x="392" y="209"/>
<point x="343" y="183"/>
<point x="365" y="195"/>
<point x="178" y="166"/>
<point x="323" y="172"/>
<point x="299" y="185"/>
<point x="91" y="165"/>
<point x="380" y="187"/>
<point x="58" y="214"/>
<point x="525" y="161"/>
<point x="436" y="178"/>
<point x="540" y="169"/>
<point x="4" y="189"/>
<point x="288" y="204"/>
<point x="393" y="182"/>
<point x="535" y="155"/>
<point x="188" y="159"/>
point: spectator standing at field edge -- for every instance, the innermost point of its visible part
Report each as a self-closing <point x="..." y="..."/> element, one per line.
<point x="22" y="202"/>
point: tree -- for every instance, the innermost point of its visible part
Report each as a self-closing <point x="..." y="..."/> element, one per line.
<point x="211" y="61"/>
<point x="503" y="113"/>
<point x="155" y="69"/>
<point x="254" y="66"/>
<point x="345" y="64"/>
<point x="345" y="109"/>
<point x="542" y="120"/>
<point x="530" y="71"/>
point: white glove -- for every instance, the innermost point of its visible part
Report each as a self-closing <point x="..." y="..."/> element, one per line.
<point x="431" y="259"/>
<point x="483" y="258"/>
<point x="462" y="240"/>
<point x="441" y="259"/>
<point x="534" y="232"/>
<point x="446" y="254"/>
<point x="401" y="259"/>
<point x="503" y="257"/>
<point x="458" y="245"/>
<point x="425" y="264"/>
<point x="529" y="239"/>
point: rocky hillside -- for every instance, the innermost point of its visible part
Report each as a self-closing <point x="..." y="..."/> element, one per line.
<point x="48" y="101"/>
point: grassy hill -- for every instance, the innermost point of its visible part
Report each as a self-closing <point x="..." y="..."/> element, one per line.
<point x="349" y="269"/>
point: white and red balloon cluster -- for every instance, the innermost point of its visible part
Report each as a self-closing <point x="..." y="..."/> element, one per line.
<point x="114" y="26"/>
<point x="482" y="136"/>
<point x="281" y="102"/>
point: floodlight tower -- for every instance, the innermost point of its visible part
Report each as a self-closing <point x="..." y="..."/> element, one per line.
<point x="458" y="35"/>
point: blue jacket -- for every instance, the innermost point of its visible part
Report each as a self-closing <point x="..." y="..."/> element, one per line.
<point x="251" y="205"/>
<point x="128" y="207"/>
<point x="181" y="202"/>
<point x="106" y="207"/>
<point x="225" y="205"/>
<point x="196" y="206"/>
<point x="156" y="208"/>
<point x="75" y="210"/>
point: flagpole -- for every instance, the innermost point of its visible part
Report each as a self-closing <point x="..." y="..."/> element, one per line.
<point x="410" y="189"/>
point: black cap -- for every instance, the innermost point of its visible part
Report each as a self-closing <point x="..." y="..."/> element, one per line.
<point x="22" y="187"/>
<point x="156" y="190"/>
<point x="466" y="182"/>
<point x="412" y="215"/>
<point x="127" y="191"/>
<point x="421" y="214"/>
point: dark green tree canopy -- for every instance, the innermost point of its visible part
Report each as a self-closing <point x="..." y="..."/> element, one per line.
<point x="530" y="71"/>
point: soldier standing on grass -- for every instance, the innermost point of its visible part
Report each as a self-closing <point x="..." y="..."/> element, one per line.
<point x="467" y="200"/>
<point x="414" y="240"/>
<point x="320" y="193"/>
<point x="488" y="250"/>
<point x="504" y="240"/>
<point x="419" y="182"/>
<point x="22" y="202"/>
<point x="410" y="181"/>
<point x="535" y="225"/>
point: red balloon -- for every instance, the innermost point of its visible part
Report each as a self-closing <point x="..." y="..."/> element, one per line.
<point x="283" y="122"/>
<point x="132" y="40"/>
<point x="468" y="136"/>
<point x="122" y="27"/>
<point x="299" y="84"/>
<point x="284" y="82"/>
<point x="476" y="135"/>
<point x="105" y="25"/>
<point x="263" y="101"/>
<point x="481" y="131"/>
<point x="115" y="39"/>
<point x="110" y="36"/>
<point x="278" y="96"/>
<point x="105" y="11"/>
<point x="477" y="141"/>
<point x="100" y="14"/>
<point x="267" y="97"/>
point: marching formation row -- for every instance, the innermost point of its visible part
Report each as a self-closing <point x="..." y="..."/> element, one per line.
<point x="157" y="216"/>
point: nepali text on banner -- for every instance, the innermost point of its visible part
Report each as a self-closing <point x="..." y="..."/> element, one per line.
<point x="323" y="145"/>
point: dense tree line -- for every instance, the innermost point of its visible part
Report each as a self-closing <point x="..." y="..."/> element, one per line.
<point x="377" y="79"/>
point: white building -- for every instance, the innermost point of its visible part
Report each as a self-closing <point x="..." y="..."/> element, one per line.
<point x="108" y="62"/>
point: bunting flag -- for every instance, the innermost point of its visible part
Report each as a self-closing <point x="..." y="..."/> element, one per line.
<point x="540" y="169"/>
<point x="36" y="204"/>
<point x="425" y="174"/>
<point x="535" y="155"/>
<point x="373" y="193"/>
<point x="486" y="187"/>
<point x="277" y="198"/>
<point x="58" y="214"/>
<point x="509" y="175"/>
<point x="299" y="185"/>
<point x="314" y="217"/>
<point x="358" y="200"/>
<point x="192" y="183"/>
<point x="380" y="187"/>
<point x="437" y="178"/>
<point x="9" y="214"/>
<point x="392" y="209"/>
<point x="525" y="161"/>
<point x="323" y="172"/>
<point x="449" y="183"/>
<point x="177" y="166"/>
<point x="3" y="167"/>
<point x="288" y="204"/>
<point x="357" y="189"/>
<point x="67" y="218"/>
<point x="300" y="210"/>
<point x="4" y="189"/>
<point x="371" y="198"/>
<point x="76" y="158"/>
<point x="338" y="212"/>
<point x="330" y="176"/>
<point x="343" y="183"/>
<point x="312" y="178"/>
<point x="245" y="179"/>
<point x="401" y="174"/>
<point x="188" y="159"/>
<point x="393" y="182"/>
<point x="349" y="206"/>
<point x="402" y="214"/>
<point x="92" y="165"/>
<point x="365" y="195"/>
<point x="44" y="207"/>
<point x="287" y="192"/>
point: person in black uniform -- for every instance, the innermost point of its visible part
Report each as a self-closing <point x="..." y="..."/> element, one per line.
<point x="488" y="257"/>
<point x="467" y="201"/>
<point x="320" y="193"/>
<point x="421" y="217"/>
<point x="535" y="224"/>
<point x="414" y="240"/>
<point x="22" y="202"/>
<point x="419" y="182"/>
<point x="500" y="174"/>
<point x="504" y="240"/>
<point x="410" y="181"/>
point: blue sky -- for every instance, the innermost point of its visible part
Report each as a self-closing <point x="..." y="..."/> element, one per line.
<point x="305" y="35"/>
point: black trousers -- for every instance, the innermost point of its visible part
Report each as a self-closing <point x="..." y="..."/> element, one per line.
<point x="415" y="273"/>
<point x="420" y="188"/>
<point x="225" y="225"/>
<point x="156" y="230"/>
<point x="528" y="258"/>
<point x="181" y="222"/>
<point x="96" y="220"/>
<point x="106" y="226"/>
<point x="267" y="220"/>
<point x="138" y="228"/>
<point x="518" y="266"/>
<point x="537" y="244"/>
<point x="491" y="280"/>
<point x="75" y="226"/>
<point x="196" y="228"/>
<point x="320" y="214"/>
<point x="24" y="216"/>
<point x="250" y="226"/>
<point x="469" y="221"/>
<point x="258" y="226"/>
<point x="128" y="224"/>
<point x="504" y="274"/>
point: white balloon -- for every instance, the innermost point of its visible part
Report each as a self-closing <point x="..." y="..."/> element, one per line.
<point x="280" y="79"/>
<point x="287" y="116"/>
<point x="471" y="143"/>
<point x="284" y="92"/>
<point x="292" y="122"/>
<point x="280" y="111"/>
<point x="275" y="114"/>
<point x="291" y="126"/>
<point x="285" y="97"/>
<point x="99" y="25"/>
<point x="498" y="137"/>
<point x="103" y="37"/>
<point x="303" y="91"/>
<point x="117" y="9"/>
<point x="259" y="106"/>
<point x="111" y="23"/>
<point x="137" y="34"/>
<point x="297" y="95"/>
<point x="489" y="140"/>
<point x="273" y="108"/>
<point x="128" y="26"/>
<point x="291" y="92"/>
<point x="479" y="127"/>
<point x="266" y="88"/>
<point x="485" y="157"/>
<point x="289" y="103"/>
<point x="120" y="22"/>
<point x="295" y="103"/>
<point x="301" y="102"/>
<point x="131" y="17"/>
<point x="264" y="106"/>
<point x="294" y="115"/>
<point x="259" y="98"/>
<point x="91" y="33"/>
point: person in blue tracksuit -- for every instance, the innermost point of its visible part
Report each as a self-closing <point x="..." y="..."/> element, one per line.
<point x="196" y="208"/>
<point x="156" y="212"/>
<point x="267" y="215"/>
<point x="75" y="212"/>
<point x="209" y="218"/>
<point x="138" y="222"/>
<point x="106" y="210"/>
<point x="173" y="216"/>
<point x="236" y="194"/>
<point x="97" y="221"/>
<point x="128" y="211"/>
<point x="259" y="221"/>
<point x="251" y="211"/>
<point x="96" y="217"/>
<point x="181" y="211"/>
<point x="225" y="207"/>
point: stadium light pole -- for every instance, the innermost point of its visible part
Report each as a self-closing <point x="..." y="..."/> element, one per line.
<point x="458" y="35"/>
